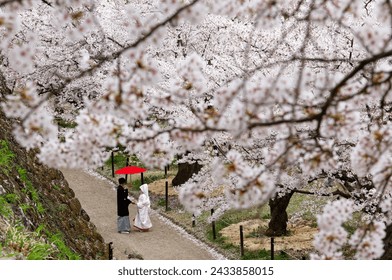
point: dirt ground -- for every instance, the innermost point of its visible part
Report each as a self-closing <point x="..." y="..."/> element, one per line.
<point x="299" y="239"/>
<point x="158" y="187"/>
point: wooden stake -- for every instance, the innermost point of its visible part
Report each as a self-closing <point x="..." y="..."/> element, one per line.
<point x="167" y="195"/>
<point x="110" y="245"/>
<point x="126" y="164"/>
<point x="242" y="240"/>
<point x="113" y="164"/>
<point x="213" y="226"/>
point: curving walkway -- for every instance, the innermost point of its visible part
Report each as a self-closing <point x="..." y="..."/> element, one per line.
<point x="164" y="241"/>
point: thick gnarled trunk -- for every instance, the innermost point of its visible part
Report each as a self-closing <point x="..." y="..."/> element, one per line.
<point x="278" y="223"/>
<point x="185" y="172"/>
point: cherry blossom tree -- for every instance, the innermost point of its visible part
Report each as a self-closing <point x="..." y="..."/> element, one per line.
<point x="298" y="90"/>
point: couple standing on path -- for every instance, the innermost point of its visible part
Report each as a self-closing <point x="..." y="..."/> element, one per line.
<point x="142" y="220"/>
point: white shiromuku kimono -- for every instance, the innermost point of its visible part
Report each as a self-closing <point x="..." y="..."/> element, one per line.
<point x="142" y="219"/>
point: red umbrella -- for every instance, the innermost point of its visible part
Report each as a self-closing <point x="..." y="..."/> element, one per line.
<point x="132" y="170"/>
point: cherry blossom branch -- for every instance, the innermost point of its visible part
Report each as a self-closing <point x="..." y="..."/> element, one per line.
<point x="7" y="2"/>
<point x="350" y="75"/>
<point x="336" y="192"/>
<point x="334" y="91"/>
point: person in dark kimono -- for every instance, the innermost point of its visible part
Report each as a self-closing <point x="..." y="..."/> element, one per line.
<point x="123" y="201"/>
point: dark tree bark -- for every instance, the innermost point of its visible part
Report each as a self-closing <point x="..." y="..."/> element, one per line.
<point x="388" y="244"/>
<point x="278" y="223"/>
<point x="185" y="172"/>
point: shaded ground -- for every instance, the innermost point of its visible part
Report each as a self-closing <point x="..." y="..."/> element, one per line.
<point x="164" y="241"/>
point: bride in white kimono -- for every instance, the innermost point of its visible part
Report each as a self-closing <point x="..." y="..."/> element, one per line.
<point x="142" y="219"/>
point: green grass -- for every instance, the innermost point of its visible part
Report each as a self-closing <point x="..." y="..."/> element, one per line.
<point x="119" y="160"/>
<point x="222" y="242"/>
<point x="40" y="229"/>
<point x="22" y="244"/>
<point x="65" y="253"/>
<point x="266" y="216"/>
<point x="256" y="233"/>
<point x="12" y="198"/>
<point x="264" y="255"/>
<point x="25" y="207"/>
<point x="5" y="204"/>
<point x="40" y="251"/>
<point x="6" y="157"/>
<point x="354" y="223"/>
<point x="62" y="207"/>
<point x="65" y="124"/>
<point x="56" y="187"/>
<point x="161" y="202"/>
<point x="29" y="189"/>
<point x="236" y="216"/>
<point x="5" y="207"/>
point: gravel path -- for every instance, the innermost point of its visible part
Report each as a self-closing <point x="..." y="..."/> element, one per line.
<point x="165" y="241"/>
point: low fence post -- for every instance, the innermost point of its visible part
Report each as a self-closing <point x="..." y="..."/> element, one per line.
<point x="126" y="164"/>
<point x="193" y="220"/>
<point x="166" y="190"/>
<point x="167" y="195"/>
<point x="242" y="239"/>
<point x="110" y="245"/>
<point x="112" y="164"/>
<point x="213" y="226"/>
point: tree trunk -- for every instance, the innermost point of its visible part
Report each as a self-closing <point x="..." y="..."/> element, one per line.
<point x="278" y="223"/>
<point x="387" y="244"/>
<point x="185" y="172"/>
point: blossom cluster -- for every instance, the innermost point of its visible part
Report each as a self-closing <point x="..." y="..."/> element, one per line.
<point x="332" y="236"/>
<point x="366" y="241"/>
